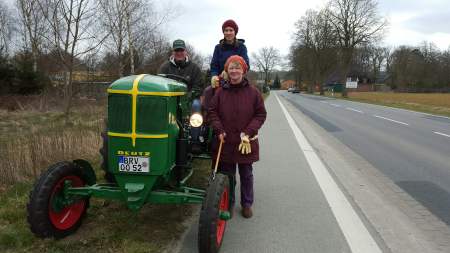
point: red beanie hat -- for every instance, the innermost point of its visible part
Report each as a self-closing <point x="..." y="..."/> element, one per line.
<point x="232" y="24"/>
<point x="236" y="58"/>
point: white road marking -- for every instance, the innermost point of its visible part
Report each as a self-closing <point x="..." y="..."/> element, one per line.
<point x="399" y="122"/>
<point x="335" y="105"/>
<point x="351" y="109"/>
<point x="446" y="135"/>
<point x="356" y="234"/>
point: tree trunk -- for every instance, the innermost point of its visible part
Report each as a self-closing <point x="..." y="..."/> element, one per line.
<point x="266" y="78"/>
<point x="346" y="64"/>
<point x="68" y="91"/>
<point x="130" y="42"/>
<point x="35" y="57"/>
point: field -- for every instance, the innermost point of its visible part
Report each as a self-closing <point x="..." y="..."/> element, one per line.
<point x="434" y="103"/>
<point x="30" y="140"/>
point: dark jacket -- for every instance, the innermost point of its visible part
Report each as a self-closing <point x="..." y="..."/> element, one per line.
<point x="221" y="53"/>
<point x="208" y="94"/>
<point x="235" y="109"/>
<point x="186" y="69"/>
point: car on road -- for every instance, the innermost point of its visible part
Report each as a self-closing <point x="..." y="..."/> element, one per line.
<point x="295" y="90"/>
<point x="290" y="89"/>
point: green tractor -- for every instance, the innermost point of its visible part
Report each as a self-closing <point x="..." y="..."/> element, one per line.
<point x="154" y="131"/>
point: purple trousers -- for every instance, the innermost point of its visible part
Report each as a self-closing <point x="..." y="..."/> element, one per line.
<point x="246" y="178"/>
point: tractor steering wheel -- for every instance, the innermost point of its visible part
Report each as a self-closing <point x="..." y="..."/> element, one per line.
<point x="175" y="77"/>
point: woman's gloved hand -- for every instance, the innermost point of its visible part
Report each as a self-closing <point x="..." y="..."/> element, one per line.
<point x="222" y="137"/>
<point x="215" y="81"/>
<point x="224" y="75"/>
<point x="245" y="146"/>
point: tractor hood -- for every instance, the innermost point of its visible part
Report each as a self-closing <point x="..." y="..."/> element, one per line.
<point x="149" y="85"/>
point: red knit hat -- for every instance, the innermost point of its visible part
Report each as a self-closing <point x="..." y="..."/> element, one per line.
<point x="236" y="58"/>
<point x="232" y="24"/>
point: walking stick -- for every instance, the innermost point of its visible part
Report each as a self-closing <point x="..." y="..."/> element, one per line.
<point x="217" y="159"/>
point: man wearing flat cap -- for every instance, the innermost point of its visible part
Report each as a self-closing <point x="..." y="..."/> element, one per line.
<point x="180" y="64"/>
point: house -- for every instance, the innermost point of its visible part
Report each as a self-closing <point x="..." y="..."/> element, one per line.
<point x="287" y="84"/>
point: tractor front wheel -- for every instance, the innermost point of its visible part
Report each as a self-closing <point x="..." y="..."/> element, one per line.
<point x="49" y="212"/>
<point x="211" y="224"/>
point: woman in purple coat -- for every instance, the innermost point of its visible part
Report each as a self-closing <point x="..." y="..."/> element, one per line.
<point x="236" y="113"/>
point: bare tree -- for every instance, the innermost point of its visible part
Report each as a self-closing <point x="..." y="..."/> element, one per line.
<point x="315" y="49"/>
<point x="378" y="58"/>
<point x="355" y="22"/>
<point x="266" y="59"/>
<point x="34" y="27"/>
<point x="72" y="36"/>
<point x="128" y="13"/>
<point x="420" y="69"/>
<point x="133" y="25"/>
<point x="195" y="56"/>
<point x="6" y="28"/>
<point x="157" y="49"/>
<point x="294" y="63"/>
<point x="147" y="24"/>
<point x="113" y="19"/>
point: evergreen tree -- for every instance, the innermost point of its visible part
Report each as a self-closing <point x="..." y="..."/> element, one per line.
<point x="276" y="83"/>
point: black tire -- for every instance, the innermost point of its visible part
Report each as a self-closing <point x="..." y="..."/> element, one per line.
<point x="209" y="241"/>
<point x="109" y="177"/>
<point x="41" y="216"/>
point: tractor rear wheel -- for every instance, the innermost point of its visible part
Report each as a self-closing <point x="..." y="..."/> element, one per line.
<point x="211" y="226"/>
<point x="49" y="212"/>
<point x="104" y="153"/>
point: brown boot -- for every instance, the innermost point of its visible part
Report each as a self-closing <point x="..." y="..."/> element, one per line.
<point x="247" y="212"/>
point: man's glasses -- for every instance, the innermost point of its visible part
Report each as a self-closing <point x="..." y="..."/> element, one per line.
<point x="179" y="50"/>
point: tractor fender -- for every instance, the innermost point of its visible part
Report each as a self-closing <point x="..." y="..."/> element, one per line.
<point x="88" y="171"/>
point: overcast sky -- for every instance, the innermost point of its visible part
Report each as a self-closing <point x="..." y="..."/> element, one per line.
<point x="271" y="23"/>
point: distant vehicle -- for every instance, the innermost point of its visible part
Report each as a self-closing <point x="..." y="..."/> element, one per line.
<point x="290" y="89"/>
<point x="295" y="90"/>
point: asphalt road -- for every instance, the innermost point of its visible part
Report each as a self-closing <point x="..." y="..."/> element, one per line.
<point x="298" y="205"/>
<point x="412" y="149"/>
<point x="291" y="213"/>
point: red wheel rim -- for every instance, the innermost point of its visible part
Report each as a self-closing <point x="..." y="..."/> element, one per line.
<point x="69" y="215"/>
<point x="223" y="207"/>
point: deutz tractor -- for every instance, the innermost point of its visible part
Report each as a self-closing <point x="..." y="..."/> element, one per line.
<point x="154" y="131"/>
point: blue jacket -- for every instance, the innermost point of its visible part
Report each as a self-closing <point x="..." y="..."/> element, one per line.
<point x="221" y="53"/>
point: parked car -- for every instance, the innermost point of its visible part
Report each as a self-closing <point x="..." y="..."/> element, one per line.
<point x="290" y="89"/>
<point x="295" y="90"/>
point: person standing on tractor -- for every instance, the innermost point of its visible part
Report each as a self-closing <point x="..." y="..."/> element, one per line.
<point x="236" y="114"/>
<point x="227" y="47"/>
<point x="180" y="64"/>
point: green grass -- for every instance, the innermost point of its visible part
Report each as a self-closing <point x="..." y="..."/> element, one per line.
<point x="26" y="123"/>
<point x="108" y="227"/>
<point x="434" y="103"/>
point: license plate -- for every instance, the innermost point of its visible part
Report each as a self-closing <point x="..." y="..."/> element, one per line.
<point x="134" y="164"/>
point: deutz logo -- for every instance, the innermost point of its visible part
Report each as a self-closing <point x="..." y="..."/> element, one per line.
<point x="133" y="153"/>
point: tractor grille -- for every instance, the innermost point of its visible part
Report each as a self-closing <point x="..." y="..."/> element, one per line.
<point x="152" y="115"/>
<point x="119" y="113"/>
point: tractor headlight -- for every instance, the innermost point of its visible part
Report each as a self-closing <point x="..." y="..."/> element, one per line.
<point x="196" y="120"/>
